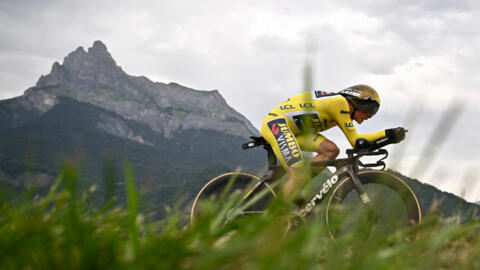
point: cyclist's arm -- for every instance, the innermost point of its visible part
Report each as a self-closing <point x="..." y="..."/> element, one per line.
<point x="337" y="110"/>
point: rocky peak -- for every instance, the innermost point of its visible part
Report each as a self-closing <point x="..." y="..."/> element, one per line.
<point x="93" y="77"/>
<point x="95" y="67"/>
<point x="99" y="50"/>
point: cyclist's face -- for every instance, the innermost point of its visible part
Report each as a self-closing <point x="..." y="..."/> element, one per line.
<point x="360" y="116"/>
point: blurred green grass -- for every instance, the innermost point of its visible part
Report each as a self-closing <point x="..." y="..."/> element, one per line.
<point x="63" y="231"/>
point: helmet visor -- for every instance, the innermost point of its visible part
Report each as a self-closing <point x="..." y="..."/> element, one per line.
<point x="370" y="108"/>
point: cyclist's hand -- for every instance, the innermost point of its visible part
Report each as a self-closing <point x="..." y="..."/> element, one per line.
<point x="396" y="134"/>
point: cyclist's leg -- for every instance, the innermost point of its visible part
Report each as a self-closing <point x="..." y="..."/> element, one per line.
<point x="298" y="177"/>
<point x="315" y="142"/>
<point x="327" y="150"/>
<point x="276" y="132"/>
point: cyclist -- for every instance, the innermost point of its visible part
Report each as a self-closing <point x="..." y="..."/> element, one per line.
<point x="294" y="126"/>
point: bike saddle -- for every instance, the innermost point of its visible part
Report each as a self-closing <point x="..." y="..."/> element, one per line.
<point x="257" y="141"/>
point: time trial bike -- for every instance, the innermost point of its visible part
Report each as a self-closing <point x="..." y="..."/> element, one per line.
<point x="353" y="192"/>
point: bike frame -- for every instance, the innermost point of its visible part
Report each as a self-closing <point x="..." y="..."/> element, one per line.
<point x="344" y="167"/>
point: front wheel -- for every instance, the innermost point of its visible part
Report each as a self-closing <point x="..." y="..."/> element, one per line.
<point x="393" y="203"/>
<point x="230" y="195"/>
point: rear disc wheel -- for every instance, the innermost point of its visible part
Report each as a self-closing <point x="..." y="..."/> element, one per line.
<point x="230" y="195"/>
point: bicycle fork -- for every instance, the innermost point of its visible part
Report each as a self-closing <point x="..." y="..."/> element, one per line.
<point x="359" y="188"/>
<point x="364" y="198"/>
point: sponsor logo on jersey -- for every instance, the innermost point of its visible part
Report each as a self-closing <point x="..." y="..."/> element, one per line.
<point x="275" y="129"/>
<point x="286" y="141"/>
<point x="320" y="94"/>
<point x="287" y="107"/>
<point x="319" y="196"/>
<point x="344" y="112"/>
<point x="349" y="126"/>
<point x="306" y="106"/>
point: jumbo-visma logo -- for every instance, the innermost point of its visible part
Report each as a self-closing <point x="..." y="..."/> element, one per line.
<point x="286" y="141"/>
<point x="275" y="129"/>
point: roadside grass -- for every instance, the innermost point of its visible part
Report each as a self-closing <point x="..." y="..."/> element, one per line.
<point x="62" y="231"/>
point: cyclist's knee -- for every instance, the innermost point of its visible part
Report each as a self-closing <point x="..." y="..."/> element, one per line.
<point x="335" y="151"/>
<point x="328" y="149"/>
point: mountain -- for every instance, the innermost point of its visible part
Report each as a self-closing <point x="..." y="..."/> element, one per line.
<point x="93" y="77"/>
<point x="88" y="111"/>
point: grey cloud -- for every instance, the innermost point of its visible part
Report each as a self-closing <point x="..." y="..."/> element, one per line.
<point x="429" y="26"/>
<point x="412" y="7"/>
<point x="340" y="57"/>
<point x="430" y="29"/>
<point x="19" y="72"/>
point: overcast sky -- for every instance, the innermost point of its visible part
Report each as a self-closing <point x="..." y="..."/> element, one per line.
<point x="421" y="56"/>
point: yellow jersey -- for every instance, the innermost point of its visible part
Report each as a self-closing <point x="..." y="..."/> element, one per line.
<point x="294" y="125"/>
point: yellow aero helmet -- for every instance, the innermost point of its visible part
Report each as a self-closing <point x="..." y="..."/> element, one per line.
<point x="363" y="98"/>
